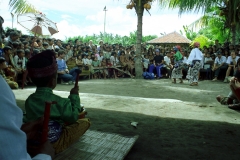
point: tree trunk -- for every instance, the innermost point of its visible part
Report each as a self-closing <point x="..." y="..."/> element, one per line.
<point x="233" y="29"/>
<point x="138" y="60"/>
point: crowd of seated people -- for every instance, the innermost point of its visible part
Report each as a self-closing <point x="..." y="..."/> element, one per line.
<point x="101" y="59"/>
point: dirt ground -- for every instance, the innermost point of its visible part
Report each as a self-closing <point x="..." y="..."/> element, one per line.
<point x="176" y="121"/>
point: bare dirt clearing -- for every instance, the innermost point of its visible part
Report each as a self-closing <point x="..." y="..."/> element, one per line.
<point x="176" y="121"/>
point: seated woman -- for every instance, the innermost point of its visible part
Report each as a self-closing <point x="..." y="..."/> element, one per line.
<point x="71" y="62"/>
<point x="9" y="80"/>
<point x="96" y="63"/>
<point x="65" y="127"/>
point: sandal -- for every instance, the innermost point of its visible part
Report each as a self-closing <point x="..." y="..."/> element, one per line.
<point x="234" y="106"/>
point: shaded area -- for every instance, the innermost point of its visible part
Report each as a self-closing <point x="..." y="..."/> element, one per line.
<point x="168" y="138"/>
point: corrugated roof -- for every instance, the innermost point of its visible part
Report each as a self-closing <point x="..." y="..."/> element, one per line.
<point x="173" y="37"/>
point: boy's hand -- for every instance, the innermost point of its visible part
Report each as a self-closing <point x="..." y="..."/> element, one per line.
<point x="75" y="90"/>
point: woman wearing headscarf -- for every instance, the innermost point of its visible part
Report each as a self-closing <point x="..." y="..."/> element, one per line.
<point x="178" y="65"/>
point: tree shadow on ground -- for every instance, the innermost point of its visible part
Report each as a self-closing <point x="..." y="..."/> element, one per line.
<point x="169" y="138"/>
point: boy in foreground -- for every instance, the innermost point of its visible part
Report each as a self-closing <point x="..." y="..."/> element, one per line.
<point x="65" y="127"/>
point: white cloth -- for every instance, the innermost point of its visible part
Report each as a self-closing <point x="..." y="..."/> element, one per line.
<point x="185" y="59"/>
<point x="167" y="60"/>
<point x="196" y="54"/>
<point x="100" y="58"/>
<point x="89" y="61"/>
<point x="85" y="61"/>
<point x="12" y="139"/>
<point x="220" y="61"/>
<point x="146" y="62"/>
<point x="19" y="63"/>
<point x="114" y="60"/>
<point x="230" y="59"/>
<point x="207" y="59"/>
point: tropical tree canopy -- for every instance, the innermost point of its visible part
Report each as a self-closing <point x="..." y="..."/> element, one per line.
<point x="229" y="9"/>
<point x="21" y="6"/>
<point x="113" y="39"/>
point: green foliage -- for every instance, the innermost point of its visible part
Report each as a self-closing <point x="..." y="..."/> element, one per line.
<point x="204" y="41"/>
<point x="112" y="39"/>
<point x="189" y="33"/>
<point x="21" y="6"/>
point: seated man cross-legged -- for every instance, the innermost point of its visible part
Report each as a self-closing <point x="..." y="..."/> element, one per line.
<point x="219" y="65"/>
<point x="232" y="63"/>
<point x="66" y="76"/>
<point x="66" y="124"/>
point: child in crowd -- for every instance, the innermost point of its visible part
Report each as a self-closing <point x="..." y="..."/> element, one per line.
<point x="9" y="80"/>
<point x="71" y="62"/>
<point x="104" y="71"/>
<point x="65" y="127"/>
<point x="131" y="65"/>
<point x="79" y="62"/>
<point x="85" y="60"/>
<point x="100" y="58"/>
<point x="208" y="58"/>
<point x="96" y="63"/>
<point x="45" y="45"/>
<point x="19" y="61"/>
<point x="151" y="57"/>
<point x="122" y="59"/>
<point x="146" y="62"/>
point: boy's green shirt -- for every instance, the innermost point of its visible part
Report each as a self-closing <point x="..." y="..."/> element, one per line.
<point x="65" y="111"/>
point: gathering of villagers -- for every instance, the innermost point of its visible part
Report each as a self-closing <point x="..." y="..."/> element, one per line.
<point x="44" y="62"/>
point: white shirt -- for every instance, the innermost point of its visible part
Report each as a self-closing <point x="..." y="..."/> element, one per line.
<point x="207" y="59"/>
<point x="195" y="54"/>
<point x="19" y="63"/>
<point x="230" y="60"/>
<point x="12" y="139"/>
<point x="185" y="59"/>
<point x="100" y="58"/>
<point x="167" y="60"/>
<point x="85" y="61"/>
<point x="220" y="61"/>
<point x="114" y="60"/>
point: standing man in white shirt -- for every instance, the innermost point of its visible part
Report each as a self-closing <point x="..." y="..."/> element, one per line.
<point x="231" y="62"/>
<point x="13" y="140"/>
<point x="196" y="60"/>
<point x="219" y="64"/>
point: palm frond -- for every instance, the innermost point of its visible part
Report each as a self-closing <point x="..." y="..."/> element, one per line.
<point x="21" y="6"/>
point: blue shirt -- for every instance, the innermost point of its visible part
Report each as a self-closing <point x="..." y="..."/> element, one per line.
<point x="61" y="64"/>
<point x="1" y="52"/>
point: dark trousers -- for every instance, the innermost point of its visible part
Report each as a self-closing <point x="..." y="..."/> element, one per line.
<point x="222" y="68"/>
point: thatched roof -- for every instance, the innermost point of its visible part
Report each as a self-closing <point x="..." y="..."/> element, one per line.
<point x="171" y="38"/>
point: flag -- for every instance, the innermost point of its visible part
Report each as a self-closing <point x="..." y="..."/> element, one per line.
<point x="104" y="9"/>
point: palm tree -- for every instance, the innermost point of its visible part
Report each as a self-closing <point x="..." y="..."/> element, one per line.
<point x="21" y="6"/>
<point x="229" y="10"/>
<point x="139" y="7"/>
